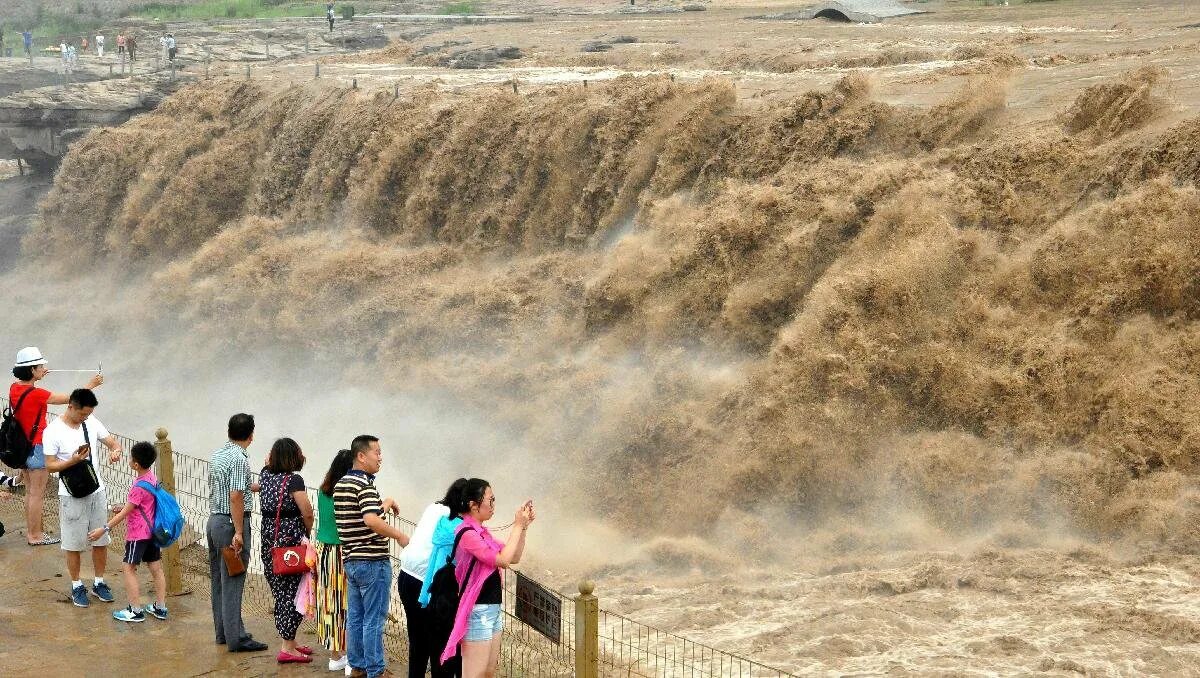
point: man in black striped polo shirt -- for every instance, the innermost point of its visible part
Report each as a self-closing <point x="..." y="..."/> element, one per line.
<point x="364" y="533"/>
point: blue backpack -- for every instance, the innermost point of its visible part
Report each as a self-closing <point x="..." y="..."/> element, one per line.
<point x="168" y="520"/>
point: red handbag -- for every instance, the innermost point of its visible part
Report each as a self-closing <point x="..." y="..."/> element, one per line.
<point x="286" y="559"/>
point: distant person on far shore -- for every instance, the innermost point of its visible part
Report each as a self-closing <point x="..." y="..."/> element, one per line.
<point x="329" y="15"/>
<point x="121" y="45"/>
<point x="27" y="38"/>
<point x="100" y="46"/>
<point x="32" y="367"/>
<point x="131" y="46"/>
<point x="170" y="46"/>
<point x="140" y="546"/>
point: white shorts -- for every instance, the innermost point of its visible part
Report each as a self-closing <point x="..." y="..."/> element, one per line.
<point x="77" y="517"/>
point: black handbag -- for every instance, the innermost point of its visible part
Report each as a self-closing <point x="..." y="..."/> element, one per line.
<point x="80" y="479"/>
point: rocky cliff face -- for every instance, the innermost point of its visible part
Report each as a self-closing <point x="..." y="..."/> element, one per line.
<point x="37" y="125"/>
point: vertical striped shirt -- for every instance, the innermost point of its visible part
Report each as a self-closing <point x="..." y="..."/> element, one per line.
<point x="228" y="471"/>
<point x="354" y="497"/>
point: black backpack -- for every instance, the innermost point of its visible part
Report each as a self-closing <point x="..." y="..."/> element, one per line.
<point x="444" y="593"/>
<point x="15" y="446"/>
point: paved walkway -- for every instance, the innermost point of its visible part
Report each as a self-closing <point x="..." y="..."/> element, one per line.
<point x="44" y="634"/>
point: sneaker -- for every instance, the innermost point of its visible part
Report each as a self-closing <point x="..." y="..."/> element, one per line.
<point x="159" y="612"/>
<point x="129" y="615"/>
<point x="339" y="664"/>
<point x="79" y="596"/>
<point x="102" y="592"/>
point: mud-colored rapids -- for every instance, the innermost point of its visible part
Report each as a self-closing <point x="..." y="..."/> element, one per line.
<point x="813" y="333"/>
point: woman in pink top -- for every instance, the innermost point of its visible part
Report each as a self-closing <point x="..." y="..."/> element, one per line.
<point x="480" y="615"/>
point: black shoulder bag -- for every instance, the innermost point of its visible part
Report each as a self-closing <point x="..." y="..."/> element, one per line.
<point x="80" y="479"/>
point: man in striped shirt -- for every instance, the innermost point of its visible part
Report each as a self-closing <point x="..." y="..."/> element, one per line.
<point x="364" y="534"/>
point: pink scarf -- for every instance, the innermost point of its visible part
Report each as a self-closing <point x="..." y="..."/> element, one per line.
<point x="478" y="576"/>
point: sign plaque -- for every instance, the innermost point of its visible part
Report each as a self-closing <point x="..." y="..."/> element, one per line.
<point x="539" y="608"/>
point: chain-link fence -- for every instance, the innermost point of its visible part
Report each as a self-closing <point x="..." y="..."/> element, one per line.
<point x="547" y="647"/>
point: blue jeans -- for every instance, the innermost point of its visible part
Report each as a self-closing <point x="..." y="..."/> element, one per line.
<point x="368" y="590"/>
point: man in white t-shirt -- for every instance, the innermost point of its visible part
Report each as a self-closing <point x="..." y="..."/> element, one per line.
<point x="69" y="441"/>
<point x="100" y="46"/>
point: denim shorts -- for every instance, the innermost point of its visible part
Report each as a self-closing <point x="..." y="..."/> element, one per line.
<point x="37" y="458"/>
<point x="485" y="623"/>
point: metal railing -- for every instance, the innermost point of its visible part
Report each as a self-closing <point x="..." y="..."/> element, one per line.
<point x="590" y="642"/>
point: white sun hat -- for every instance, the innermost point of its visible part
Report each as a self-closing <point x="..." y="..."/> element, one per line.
<point x="29" y="356"/>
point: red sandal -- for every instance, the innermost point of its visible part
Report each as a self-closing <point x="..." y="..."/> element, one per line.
<point x="304" y="649"/>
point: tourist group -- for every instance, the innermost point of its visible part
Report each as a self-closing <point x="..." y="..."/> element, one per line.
<point x="450" y="582"/>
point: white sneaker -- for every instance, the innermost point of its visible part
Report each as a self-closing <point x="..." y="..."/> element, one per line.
<point x="339" y="664"/>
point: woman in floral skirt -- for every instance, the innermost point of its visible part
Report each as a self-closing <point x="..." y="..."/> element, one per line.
<point x="331" y="576"/>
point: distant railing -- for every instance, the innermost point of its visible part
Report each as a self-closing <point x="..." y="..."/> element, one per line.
<point x="589" y="642"/>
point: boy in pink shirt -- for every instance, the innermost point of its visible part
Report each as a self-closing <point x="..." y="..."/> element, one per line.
<point x="139" y="541"/>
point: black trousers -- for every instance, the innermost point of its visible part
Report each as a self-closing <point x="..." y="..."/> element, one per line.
<point x="423" y="649"/>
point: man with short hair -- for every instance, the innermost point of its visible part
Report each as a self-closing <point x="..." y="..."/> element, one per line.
<point x="364" y="534"/>
<point x="229" y="525"/>
<point x="67" y="442"/>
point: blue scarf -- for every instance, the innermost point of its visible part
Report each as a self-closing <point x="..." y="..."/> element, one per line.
<point x="443" y="541"/>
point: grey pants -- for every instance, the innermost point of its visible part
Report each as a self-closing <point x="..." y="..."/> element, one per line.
<point x="226" y="590"/>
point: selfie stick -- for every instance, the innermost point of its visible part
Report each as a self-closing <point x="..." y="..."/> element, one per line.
<point x="98" y="370"/>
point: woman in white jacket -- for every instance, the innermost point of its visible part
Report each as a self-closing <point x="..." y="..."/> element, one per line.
<point x="423" y="649"/>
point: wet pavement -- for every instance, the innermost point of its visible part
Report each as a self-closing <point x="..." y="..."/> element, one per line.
<point x="46" y="635"/>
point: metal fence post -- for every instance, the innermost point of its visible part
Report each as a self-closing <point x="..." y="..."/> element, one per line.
<point x="587" y="632"/>
<point x="166" y="477"/>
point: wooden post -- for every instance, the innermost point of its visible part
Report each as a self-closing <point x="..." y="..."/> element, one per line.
<point x="514" y="86"/>
<point x="318" y="71"/>
<point x="396" y="91"/>
<point x="587" y="632"/>
<point x="166" y="478"/>
<point x="20" y="167"/>
<point x="247" y="71"/>
<point x="354" y="84"/>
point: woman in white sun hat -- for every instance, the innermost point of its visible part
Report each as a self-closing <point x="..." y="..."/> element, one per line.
<point x="31" y="415"/>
